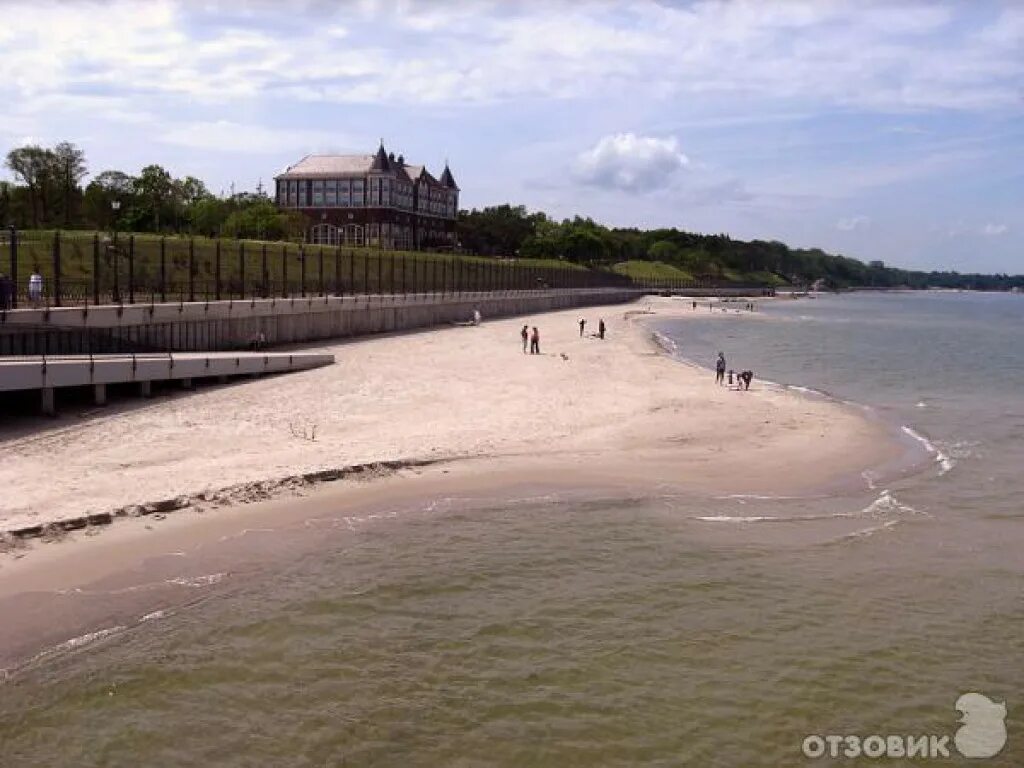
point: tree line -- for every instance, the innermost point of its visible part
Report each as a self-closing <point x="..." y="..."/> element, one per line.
<point x="508" y="230"/>
<point x="49" y="191"/>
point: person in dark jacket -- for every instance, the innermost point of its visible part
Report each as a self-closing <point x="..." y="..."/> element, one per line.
<point x="6" y="292"/>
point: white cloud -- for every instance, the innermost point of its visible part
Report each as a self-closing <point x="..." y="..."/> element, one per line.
<point x="994" y="230"/>
<point x="899" y="55"/>
<point x="853" y="222"/>
<point x="226" y="136"/>
<point x="630" y="162"/>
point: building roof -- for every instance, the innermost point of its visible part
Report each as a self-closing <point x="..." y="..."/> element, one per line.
<point x="447" y="180"/>
<point x="313" y="166"/>
<point x="340" y="166"/>
<point x="380" y="161"/>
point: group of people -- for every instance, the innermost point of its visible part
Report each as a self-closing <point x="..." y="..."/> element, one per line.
<point x="531" y="336"/>
<point x="8" y="290"/>
<point x="743" y="378"/>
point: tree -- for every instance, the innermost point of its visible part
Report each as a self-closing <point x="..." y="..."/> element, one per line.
<point x="154" y="188"/>
<point x="68" y="169"/>
<point x="31" y="165"/>
<point x="102" y="192"/>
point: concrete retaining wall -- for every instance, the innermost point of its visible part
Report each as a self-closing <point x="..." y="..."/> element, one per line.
<point x="225" y="325"/>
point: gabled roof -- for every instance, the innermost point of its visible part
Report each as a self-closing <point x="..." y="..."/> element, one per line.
<point x="313" y="166"/>
<point x="447" y="180"/>
<point x="380" y="161"/>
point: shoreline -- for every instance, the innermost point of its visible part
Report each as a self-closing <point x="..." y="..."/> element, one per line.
<point x="18" y="530"/>
<point x="676" y="437"/>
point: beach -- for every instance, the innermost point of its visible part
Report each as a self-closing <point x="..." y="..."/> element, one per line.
<point x="618" y="405"/>
<point x="457" y="412"/>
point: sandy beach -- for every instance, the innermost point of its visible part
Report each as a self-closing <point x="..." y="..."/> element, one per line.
<point x="618" y="409"/>
<point x="441" y="395"/>
<point x="443" y="416"/>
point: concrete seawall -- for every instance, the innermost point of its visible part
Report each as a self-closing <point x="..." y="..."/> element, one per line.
<point x="228" y="325"/>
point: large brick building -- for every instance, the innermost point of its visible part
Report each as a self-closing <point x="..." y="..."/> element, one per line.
<point x="378" y="200"/>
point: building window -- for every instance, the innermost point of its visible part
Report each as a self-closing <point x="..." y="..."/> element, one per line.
<point x="325" y="234"/>
<point x="318" y="193"/>
<point x="331" y="193"/>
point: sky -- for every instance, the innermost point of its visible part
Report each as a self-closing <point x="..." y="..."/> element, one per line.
<point x="890" y="131"/>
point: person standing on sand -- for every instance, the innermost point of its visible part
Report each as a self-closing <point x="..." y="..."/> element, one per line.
<point x="745" y="377"/>
<point x="600" y="328"/>
<point x="583" y="324"/>
<point x="525" y="333"/>
<point x="35" y="287"/>
<point x="535" y="342"/>
<point x="5" y="292"/>
<point x="720" y="369"/>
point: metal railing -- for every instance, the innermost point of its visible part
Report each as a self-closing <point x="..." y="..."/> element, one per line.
<point x="56" y="269"/>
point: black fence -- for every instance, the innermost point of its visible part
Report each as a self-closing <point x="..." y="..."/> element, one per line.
<point x="55" y="269"/>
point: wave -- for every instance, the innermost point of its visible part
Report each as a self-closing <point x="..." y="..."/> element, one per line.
<point x="945" y="462"/>
<point x="198" y="581"/>
<point x="885" y="505"/>
<point x="863" y="533"/>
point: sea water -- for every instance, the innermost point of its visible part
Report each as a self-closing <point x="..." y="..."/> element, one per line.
<point x="655" y="631"/>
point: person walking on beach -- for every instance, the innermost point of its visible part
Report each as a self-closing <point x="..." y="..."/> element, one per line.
<point x="745" y="377"/>
<point x="720" y="369"/>
<point x="600" y="328"/>
<point x="525" y="333"/>
<point x="35" y="286"/>
<point x="583" y="324"/>
<point x="535" y="342"/>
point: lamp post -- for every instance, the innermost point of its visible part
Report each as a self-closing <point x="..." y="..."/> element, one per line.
<point x="115" y="206"/>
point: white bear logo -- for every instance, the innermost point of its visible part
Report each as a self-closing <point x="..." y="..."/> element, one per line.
<point x="983" y="733"/>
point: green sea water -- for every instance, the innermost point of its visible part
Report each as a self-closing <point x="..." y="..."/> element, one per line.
<point x="649" y="631"/>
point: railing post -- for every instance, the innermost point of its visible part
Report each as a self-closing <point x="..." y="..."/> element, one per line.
<point x="96" y="268"/>
<point x="322" y="270"/>
<point x="191" y="269"/>
<point x="131" y="268"/>
<point x="302" y="270"/>
<point x="163" y="269"/>
<point x="380" y="272"/>
<point x="56" y="268"/>
<point x="263" y="266"/>
<point x="284" y="270"/>
<point x="216" y="271"/>
<point x="391" y="281"/>
<point x="352" y="271"/>
<point x="14" y="267"/>
<point x="366" y="272"/>
<point x="337" y="271"/>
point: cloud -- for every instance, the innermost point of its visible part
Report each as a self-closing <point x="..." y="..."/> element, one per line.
<point x="994" y="230"/>
<point x="631" y="163"/>
<point x="853" y="222"/>
<point x="900" y="55"/>
<point x="226" y="136"/>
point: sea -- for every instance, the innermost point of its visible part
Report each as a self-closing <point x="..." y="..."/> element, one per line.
<point x="653" y="630"/>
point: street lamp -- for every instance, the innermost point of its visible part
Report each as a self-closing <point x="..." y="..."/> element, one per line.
<point x="115" y="205"/>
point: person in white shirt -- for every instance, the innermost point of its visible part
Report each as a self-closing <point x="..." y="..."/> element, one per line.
<point x="35" y="286"/>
